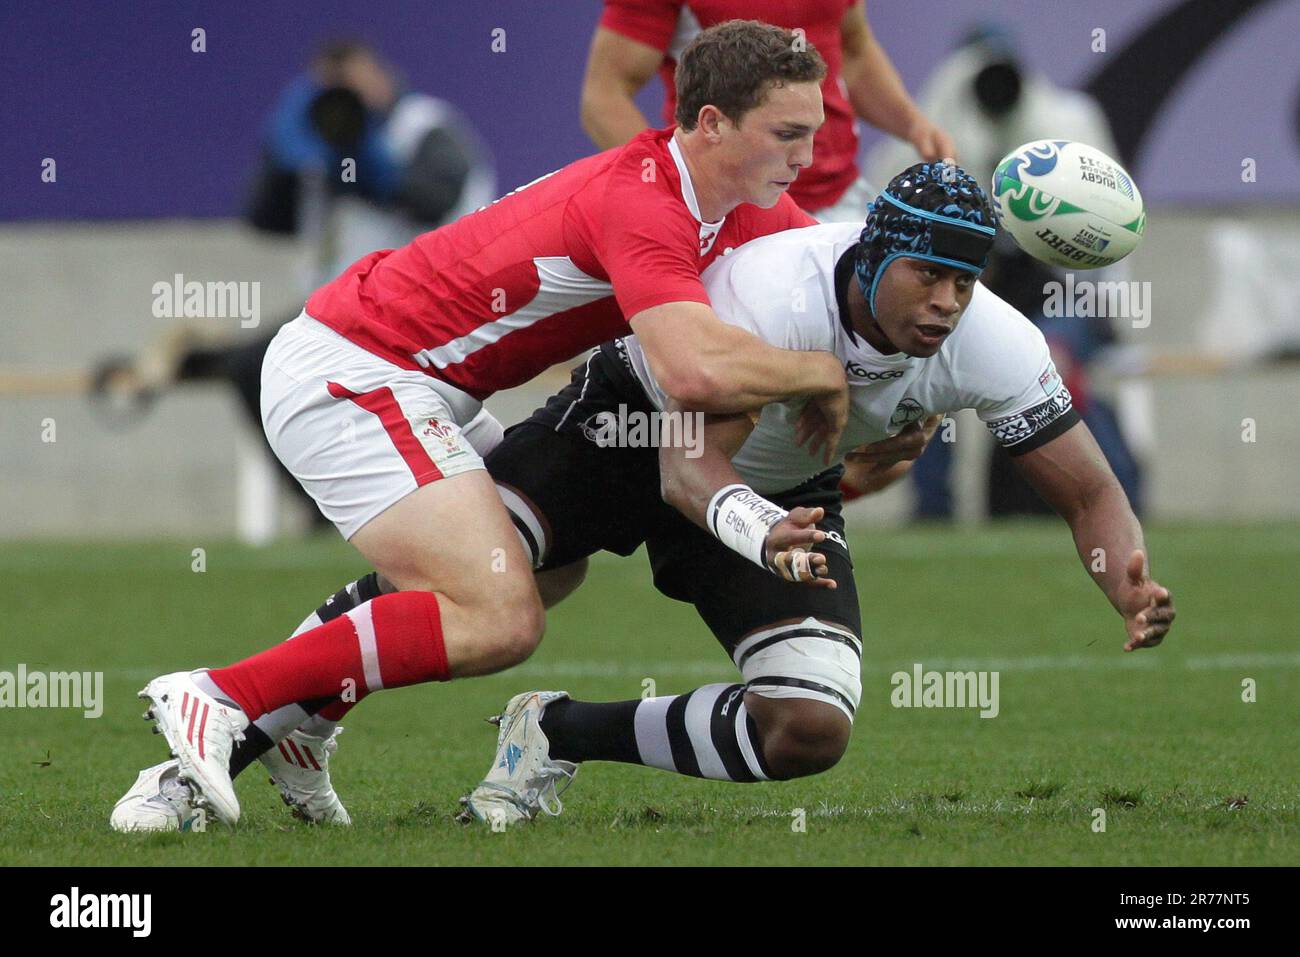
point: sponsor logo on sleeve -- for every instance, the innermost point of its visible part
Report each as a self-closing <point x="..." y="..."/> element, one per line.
<point x="1050" y="380"/>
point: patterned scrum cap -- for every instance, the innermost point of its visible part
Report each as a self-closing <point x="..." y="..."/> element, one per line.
<point x="932" y="211"/>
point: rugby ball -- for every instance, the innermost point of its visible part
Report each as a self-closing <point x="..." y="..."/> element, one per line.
<point x="1068" y="204"/>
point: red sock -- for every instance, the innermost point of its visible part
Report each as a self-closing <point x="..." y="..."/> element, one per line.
<point x="388" y="642"/>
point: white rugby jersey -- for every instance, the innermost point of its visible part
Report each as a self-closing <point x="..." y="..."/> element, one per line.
<point x="782" y="288"/>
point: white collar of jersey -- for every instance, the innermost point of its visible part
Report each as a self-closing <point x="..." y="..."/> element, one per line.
<point x="862" y="349"/>
<point x="688" y="188"/>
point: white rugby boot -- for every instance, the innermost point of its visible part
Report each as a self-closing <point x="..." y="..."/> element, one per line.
<point x="158" y="801"/>
<point x="523" y="778"/>
<point x="201" y="732"/>
<point x="300" y="768"/>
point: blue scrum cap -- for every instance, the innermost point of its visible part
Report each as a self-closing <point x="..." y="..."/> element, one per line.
<point x="932" y="211"/>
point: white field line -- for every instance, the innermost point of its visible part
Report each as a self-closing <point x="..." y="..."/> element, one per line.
<point x="1149" y="660"/>
<point x="717" y="667"/>
<point x="944" y="808"/>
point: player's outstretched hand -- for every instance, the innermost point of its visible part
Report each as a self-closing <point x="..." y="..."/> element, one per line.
<point x="822" y="423"/>
<point x="789" y="547"/>
<point x="1146" y="605"/>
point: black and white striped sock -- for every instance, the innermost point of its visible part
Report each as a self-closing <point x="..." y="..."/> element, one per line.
<point x="706" y="733"/>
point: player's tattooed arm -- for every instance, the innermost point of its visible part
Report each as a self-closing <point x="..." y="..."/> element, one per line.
<point x="692" y="478"/>
<point x="707" y="365"/>
<point x="1072" y="475"/>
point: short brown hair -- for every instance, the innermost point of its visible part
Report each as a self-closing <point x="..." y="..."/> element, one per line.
<point x="732" y="65"/>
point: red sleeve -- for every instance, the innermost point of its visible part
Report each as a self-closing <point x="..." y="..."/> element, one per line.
<point x="652" y="261"/>
<point x="651" y="22"/>
<point x="649" y="245"/>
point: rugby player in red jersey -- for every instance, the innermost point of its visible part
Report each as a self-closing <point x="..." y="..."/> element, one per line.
<point x="372" y="398"/>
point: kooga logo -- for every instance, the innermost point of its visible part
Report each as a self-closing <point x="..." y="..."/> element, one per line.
<point x="102" y="910"/>
<point x="855" y="370"/>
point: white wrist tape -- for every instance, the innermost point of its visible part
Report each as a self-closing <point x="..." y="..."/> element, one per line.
<point x="741" y="519"/>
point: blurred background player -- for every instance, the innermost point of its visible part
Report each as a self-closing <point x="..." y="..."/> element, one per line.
<point x="638" y="38"/>
<point x="992" y="102"/>
<point x="352" y="161"/>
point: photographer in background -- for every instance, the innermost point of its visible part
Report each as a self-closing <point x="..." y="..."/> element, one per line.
<point x="351" y="162"/>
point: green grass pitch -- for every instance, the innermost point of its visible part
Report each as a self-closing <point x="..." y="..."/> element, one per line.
<point x="1185" y="770"/>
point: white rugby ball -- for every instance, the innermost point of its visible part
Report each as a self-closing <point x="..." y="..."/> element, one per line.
<point x="1069" y="204"/>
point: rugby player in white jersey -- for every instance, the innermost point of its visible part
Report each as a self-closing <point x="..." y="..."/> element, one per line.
<point x="900" y="304"/>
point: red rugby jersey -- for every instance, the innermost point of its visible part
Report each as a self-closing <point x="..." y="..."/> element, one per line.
<point x="545" y="272"/>
<point x="668" y="25"/>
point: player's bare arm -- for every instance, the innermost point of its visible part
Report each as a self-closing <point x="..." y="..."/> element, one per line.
<point x="617" y="68"/>
<point x="877" y="91"/>
<point x="707" y="365"/>
<point x="695" y="484"/>
<point x="1072" y="475"/>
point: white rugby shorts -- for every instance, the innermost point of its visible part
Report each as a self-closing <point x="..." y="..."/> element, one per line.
<point x="358" y="432"/>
